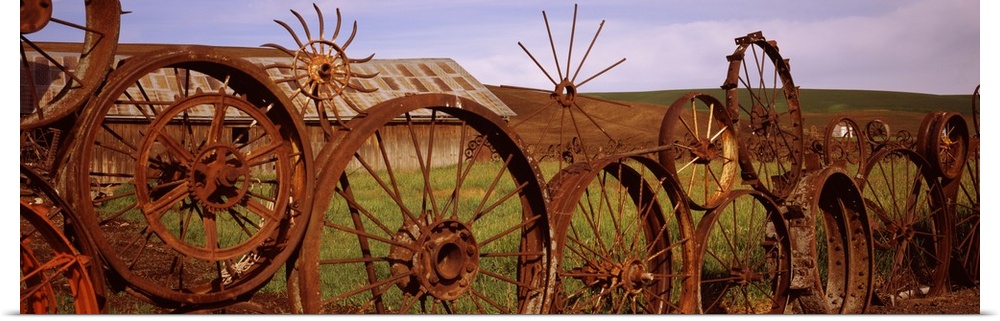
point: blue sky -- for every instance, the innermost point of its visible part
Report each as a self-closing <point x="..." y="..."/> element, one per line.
<point x="927" y="46"/>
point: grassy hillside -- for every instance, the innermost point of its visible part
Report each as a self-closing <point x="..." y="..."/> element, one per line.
<point x="639" y="123"/>
<point x="827" y="100"/>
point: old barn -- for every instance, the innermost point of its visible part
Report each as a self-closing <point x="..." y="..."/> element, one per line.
<point x="395" y="78"/>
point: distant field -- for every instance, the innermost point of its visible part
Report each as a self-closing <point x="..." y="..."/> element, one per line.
<point x="639" y="122"/>
<point x="827" y="100"/>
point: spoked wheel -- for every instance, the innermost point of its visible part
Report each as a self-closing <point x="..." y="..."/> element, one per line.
<point x="744" y="256"/>
<point x="75" y="77"/>
<point x="571" y="123"/>
<point x="845" y="144"/>
<point x="877" y="133"/>
<point x="911" y="233"/>
<point x="966" y="211"/>
<point x="704" y="154"/>
<point x="839" y="254"/>
<point x="42" y="199"/>
<point x="405" y="221"/>
<point x="203" y="176"/>
<point x="763" y="103"/>
<point x="965" y="235"/>
<point x="55" y="277"/>
<point x="944" y="141"/>
<point x="623" y="236"/>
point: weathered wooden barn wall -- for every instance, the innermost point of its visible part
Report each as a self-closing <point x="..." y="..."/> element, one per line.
<point x="395" y="78"/>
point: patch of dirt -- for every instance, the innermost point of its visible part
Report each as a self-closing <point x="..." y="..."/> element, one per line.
<point x="963" y="301"/>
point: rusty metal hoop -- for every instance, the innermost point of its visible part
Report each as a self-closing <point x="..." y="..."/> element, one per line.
<point x="77" y="77"/>
<point x="763" y="103"/>
<point x="387" y="233"/>
<point x="744" y="256"/>
<point x="910" y="232"/>
<point x="963" y="196"/>
<point x="55" y="277"/>
<point x="844" y="143"/>
<point x="944" y="141"/>
<point x="623" y="239"/>
<point x="216" y="181"/>
<point x="832" y="244"/>
<point x="35" y="188"/>
<point x="695" y="125"/>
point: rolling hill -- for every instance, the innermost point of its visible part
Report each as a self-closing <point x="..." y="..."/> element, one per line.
<point x="638" y="123"/>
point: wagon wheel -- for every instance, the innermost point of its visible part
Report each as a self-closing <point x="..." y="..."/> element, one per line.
<point x="76" y="77"/>
<point x="623" y="240"/>
<point x="203" y="175"/>
<point x="839" y="253"/>
<point x="406" y="222"/>
<point x="744" y="256"/>
<point x="844" y="143"/>
<point x="42" y="197"/>
<point x="574" y="127"/>
<point x="708" y="149"/>
<point x="966" y="211"/>
<point x="944" y="141"/>
<point x="764" y="103"/>
<point x="55" y="277"/>
<point x="877" y="133"/>
<point x="911" y="234"/>
<point x="320" y="68"/>
<point x="965" y="234"/>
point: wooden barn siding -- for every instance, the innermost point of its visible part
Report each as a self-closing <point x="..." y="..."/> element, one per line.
<point x="448" y="146"/>
<point x="397" y="137"/>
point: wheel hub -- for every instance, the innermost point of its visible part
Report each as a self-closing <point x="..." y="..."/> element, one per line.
<point x="219" y="177"/>
<point x="703" y="152"/>
<point x="632" y="275"/>
<point x="35" y="14"/>
<point x="744" y="276"/>
<point x="445" y="263"/>
<point x="565" y="93"/>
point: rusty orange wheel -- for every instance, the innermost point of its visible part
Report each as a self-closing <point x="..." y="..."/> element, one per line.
<point x="624" y="239"/>
<point x="208" y="171"/>
<point x="405" y="221"/>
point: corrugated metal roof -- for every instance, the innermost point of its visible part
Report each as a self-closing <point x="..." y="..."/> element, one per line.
<point x="394" y="78"/>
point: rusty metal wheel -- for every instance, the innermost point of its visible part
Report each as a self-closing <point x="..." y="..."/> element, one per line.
<point x="405" y="221"/>
<point x="877" y="134"/>
<point x="944" y="141"/>
<point x="965" y="209"/>
<point x="55" y="277"/>
<point x="623" y="235"/>
<point x="575" y="130"/>
<point x="320" y="68"/>
<point x="204" y="174"/>
<point x="72" y="79"/>
<point x="911" y="233"/>
<point x="845" y="144"/>
<point x="763" y="103"/>
<point x="744" y="256"/>
<point x="43" y="198"/>
<point x="695" y="127"/>
<point x="832" y="248"/>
